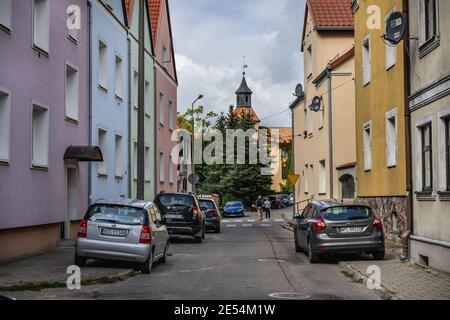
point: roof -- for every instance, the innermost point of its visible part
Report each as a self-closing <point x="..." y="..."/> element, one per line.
<point x="243" y="88"/>
<point x="123" y="202"/>
<point x="329" y="15"/>
<point x="325" y="204"/>
<point x="241" y="111"/>
<point x="154" y="7"/>
<point x="129" y="4"/>
<point x="285" y="135"/>
<point x="341" y="58"/>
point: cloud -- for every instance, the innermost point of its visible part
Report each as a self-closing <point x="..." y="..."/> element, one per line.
<point x="211" y="37"/>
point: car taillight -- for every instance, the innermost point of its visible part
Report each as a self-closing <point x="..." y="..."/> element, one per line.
<point x="82" y="233"/>
<point x="377" y="224"/>
<point x="195" y="211"/>
<point x="146" y="235"/>
<point x="319" y="225"/>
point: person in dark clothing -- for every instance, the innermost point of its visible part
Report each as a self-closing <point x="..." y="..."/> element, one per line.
<point x="267" y="207"/>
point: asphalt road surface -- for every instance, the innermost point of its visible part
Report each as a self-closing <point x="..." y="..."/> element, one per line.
<point x="250" y="259"/>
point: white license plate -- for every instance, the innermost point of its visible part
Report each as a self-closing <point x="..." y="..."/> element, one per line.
<point x="114" y="232"/>
<point x="174" y="216"/>
<point x="351" y="230"/>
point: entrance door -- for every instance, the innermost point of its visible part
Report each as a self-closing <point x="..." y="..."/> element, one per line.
<point x="71" y="197"/>
<point x="348" y="187"/>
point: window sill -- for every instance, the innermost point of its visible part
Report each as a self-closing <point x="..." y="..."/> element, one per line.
<point x="429" y="46"/>
<point x="148" y="115"/>
<point x="103" y="88"/>
<point x="366" y="83"/>
<point x="118" y="178"/>
<point x="392" y="166"/>
<point x="73" y="40"/>
<point x="322" y="193"/>
<point x="8" y="30"/>
<point x="390" y="67"/>
<point x="425" y="196"/>
<point x="72" y="120"/>
<point x="444" y="195"/>
<point x="367" y="170"/>
<point x="309" y="77"/>
<point x="40" y="51"/>
<point x="4" y="162"/>
<point x="118" y="97"/>
<point x="39" y="167"/>
<point x="102" y="175"/>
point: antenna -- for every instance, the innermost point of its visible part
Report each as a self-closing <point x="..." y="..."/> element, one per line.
<point x="244" y="67"/>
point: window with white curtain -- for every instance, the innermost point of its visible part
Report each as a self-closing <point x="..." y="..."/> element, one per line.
<point x="391" y="139"/>
<point x="367" y="139"/>
<point x="72" y="92"/>
<point x="148" y="98"/>
<point x="367" y="60"/>
<point x="171" y="116"/>
<point x="161" y="167"/>
<point x="322" y="177"/>
<point x="102" y="64"/>
<point x="41" y="24"/>
<point x="6" y="13"/>
<point x="161" y="108"/>
<point x="40" y="141"/>
<point x="171" y="167"/>
<point x="102" y="167"/>
<point x="118" y="155"/>
<point x="118" y="77"/>
<point x="147" y="163"/>
<point x="5" y="125"/>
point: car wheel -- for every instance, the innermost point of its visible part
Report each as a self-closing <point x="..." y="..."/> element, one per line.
<point x="204" y="233"/>
<point x="313" y="257"/>
<point x="217" y="230"/>
<point x="297" y="247"/>
<point x="146" y="267"/>
<point x="378" y="255"/>
<point x="166" y="251"/>
<point x="80" y="261"/>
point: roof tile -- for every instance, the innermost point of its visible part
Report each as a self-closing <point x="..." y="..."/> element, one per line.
<point x="331" y="13"/>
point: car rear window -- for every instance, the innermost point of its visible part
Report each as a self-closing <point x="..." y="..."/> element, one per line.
<point x="117" y="214"/>
<point x="175" y="200"/>
<point x="209" y="204"/>
<point x="347" y="213"/>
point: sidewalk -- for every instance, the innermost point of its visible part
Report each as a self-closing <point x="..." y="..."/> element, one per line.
<point x="399" y="280"/>
<point x="48" y="270"/>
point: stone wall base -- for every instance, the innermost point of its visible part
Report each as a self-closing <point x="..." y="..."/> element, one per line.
<point x="392" y="211"/>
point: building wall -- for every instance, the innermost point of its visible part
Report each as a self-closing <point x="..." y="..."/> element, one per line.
<point x="430" y="102"/>
<point x="167" y="85"/>
<point x="150" y="117"/>
<point x="109" y="112"/>
<point x="33" y="77"/>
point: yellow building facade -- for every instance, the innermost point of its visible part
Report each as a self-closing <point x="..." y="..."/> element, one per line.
<point x="380" y="109"/>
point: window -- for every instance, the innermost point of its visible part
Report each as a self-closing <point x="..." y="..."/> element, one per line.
<point x="165" y="54"/>
<point x="391" y="139"/>
<point x="102" y="166"/>
<point x="367" y="146"/>
<point x="147" y="163"/>
<point x="322" y="178"/>
<point x="161" y="108"/>
<point x="135" y="89"/>
<point x="40" y="138"/>
<point x="6" y="13"/>
<point x="310" y="121"/>
<point x="367" y="61"/>
<point x="309" y="62"/>
<point x="161" y="167"/>
<point x="102" y="65"/>
<point x="118" y="163"/>
<point x="430" y="19"/>
<point x="171" y="116"/>
<point x="135" y="156"/>
<point x="171" y="176"/>
<point x="427" y="158"/>
<point x="306" y="178"/>
<point x="5" y="126"/>
<point x="391" y="50"/>
<point x="72" y="32"/>
<point x="447" y="150"/>
<point x="41" y="25"/>
<point x="71" y="93"/>
<point x="148" y="98"/>
<point x="118" y="77"/>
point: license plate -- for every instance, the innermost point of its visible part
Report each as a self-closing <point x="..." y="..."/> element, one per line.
<point x="173" y="216"/>
<point x="123" y="233"/>
<point x="351" y="230"/>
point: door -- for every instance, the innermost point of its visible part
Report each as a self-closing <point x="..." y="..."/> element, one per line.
<point x="303" y="227"/>
<point x="161" y="230"/>
<point x="71" y="200"/>
<point x="155" y="225"/>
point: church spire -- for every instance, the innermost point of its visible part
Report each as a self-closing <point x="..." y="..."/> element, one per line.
<point x="243" y="93"/>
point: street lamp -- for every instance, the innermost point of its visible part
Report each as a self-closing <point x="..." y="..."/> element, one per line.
<point x="200" y="96"/>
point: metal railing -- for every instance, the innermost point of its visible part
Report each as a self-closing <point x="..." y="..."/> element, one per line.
<point x="300" y="206"/>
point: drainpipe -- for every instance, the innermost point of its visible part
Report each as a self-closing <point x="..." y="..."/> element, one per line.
<point x="293" y="156"/>
<point x="409" y="175"/>
<point x="89" y="4"/>
<point x="130" y="106"/>
<point x="330" y="131"/>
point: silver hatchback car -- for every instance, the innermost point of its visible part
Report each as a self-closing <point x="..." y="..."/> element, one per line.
<point x="123" y="230"/>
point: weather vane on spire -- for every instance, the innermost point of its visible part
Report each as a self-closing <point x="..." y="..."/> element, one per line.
<point x="244" y="67"/>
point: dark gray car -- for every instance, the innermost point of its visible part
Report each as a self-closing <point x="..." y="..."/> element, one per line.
<point x="326" y="227"/>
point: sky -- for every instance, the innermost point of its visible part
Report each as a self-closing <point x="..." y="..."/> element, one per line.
<point x="211" y="37"/>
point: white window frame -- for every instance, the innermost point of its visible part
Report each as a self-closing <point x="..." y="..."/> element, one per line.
<point x="391" y="50"/>
<point x="41" y="41"/>
<point x="135" y="156"/>
<point x="41" y="160"/>
<point x="135" y="89"/>
<point x="148" y="97"/>
<point x="322" y="177"/>
<point x="118" y="156"/>
<point x="171" y="116"/>
<point x="102" y="167"/>
<point x="306" y="178"/>
<point x="5" y="125"/>
<point x="391" y="138"/>
<point x="72" y="34"/>
<point x="367" y="145"/>
<point x="6" y="14"/>
<point x="171" y="171"/>
<point x="118" y="76"/>
<point x="72" y="98"/>
<point x="102" y="64"/>
<point x="442" y="156"/>
<point x="147" y="162"/>
<point x="161" y="108"/>
<point x="367" y="60"/>
<point x="162" y="175"/>
<point x="309" y="62"/>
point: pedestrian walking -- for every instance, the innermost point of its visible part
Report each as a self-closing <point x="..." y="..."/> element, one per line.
<point x="259" y="206"/>
<point x="267" y="207"/>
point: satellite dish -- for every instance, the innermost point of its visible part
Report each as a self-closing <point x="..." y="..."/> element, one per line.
<point x="194" y="178"/>
<point x="316" y="104"/>
<point x="299" y="90"/>
<point x="395" y="28"/>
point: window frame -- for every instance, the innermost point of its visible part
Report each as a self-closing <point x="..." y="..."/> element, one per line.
<point x="102" y="79"/>
<point x="392" y="115"/>
<point x="3" y="25"/>
<point x="447" y="151"/>
<point x="368" y="165"/>
<point x="37" y="45"/>
<point x="428" y="41"/>
<point x="118" y="156"/>
<point x="367" y="46"/>
<point x="6" y="94"/>
<point x="423" y="152"/>
<point x="162" y="174"/>
<point x="103" y="147"/>
<point x="161" y="109"/>
<point x="35" y="163"/>
<point x="72" y="117"/>
<point x="118" y="76"/>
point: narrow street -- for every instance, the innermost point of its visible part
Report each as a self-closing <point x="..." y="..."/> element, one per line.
<point x="248" y="260"/>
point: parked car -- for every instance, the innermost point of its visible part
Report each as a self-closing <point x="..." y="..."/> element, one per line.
<point x="291" y="199"/>
<point x="285" y="200"/>
<point x="124" y="230"/>
<point x="209" y="207"/>
<point x="182" y="214"/>
<point x="276" y="202"/>
<point x="326" y="227"/>
<point x="234" y="209"/>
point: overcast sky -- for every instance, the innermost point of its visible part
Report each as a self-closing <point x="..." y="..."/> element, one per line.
<point x="212" y="36"/>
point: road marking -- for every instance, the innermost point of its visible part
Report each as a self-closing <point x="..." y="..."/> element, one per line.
<point x="251" y="220"/>
<point x="279" y="220"/>
<point x="238" y="221"/>
<point x="226" y="221"/>
<point x="266" y="225"/>
<point x="231" y="225"/>
<point x="247" y="225"/>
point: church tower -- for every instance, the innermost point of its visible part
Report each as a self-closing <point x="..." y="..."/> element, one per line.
<point x="244" y="94"/>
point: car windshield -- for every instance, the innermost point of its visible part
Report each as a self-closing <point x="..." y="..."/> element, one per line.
<point x="347" y="213"/>
<point x="117" y="214"/>
<point x="175" y="200"/>
<point x="234" y="204"/>
<point x="208" y="204"/>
